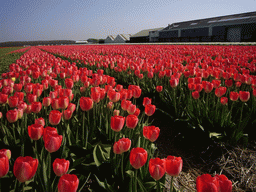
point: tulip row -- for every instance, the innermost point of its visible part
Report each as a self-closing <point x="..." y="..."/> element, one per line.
<point x="202" y="85"/>
<point x="96" y="122"/>
<point x="32" y="108"/>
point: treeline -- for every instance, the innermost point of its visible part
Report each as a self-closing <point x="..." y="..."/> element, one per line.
<point x="35" y="43"/>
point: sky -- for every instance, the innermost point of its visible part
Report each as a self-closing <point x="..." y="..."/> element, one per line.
<point x="30" y="20"/>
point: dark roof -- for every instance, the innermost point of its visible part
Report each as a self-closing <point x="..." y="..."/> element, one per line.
<point x="145" y="32"/>
<point x="249" y="17"/>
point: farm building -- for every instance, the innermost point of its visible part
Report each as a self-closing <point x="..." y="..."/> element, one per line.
<point x="143" y="36"/>
<point x="229" y="28"/>
<point x="122" y="38"/>
<point x="110" y="39"/>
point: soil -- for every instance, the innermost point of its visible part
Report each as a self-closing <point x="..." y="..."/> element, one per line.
<point x="201" y="156"/>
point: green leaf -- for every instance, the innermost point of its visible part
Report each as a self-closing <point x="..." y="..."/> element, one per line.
<point x="213" y="134"/>
<point x="150" y="184"/>
<point x="130" y="173"/>
<point x="101" y="153"/>
<point x="104" y="184"/>
<point x="44" y="174"/>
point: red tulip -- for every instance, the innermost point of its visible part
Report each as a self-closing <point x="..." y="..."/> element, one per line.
<point x="225" y="185"/>
<point x="137" y="112"/>
<point x="131" y="109"/>
<point x="55" y="117"/>
<point x="233" y="96"/>
<point x="116" y="112"/>
<point x="52" y="141"/>
<point x="20" y="95"/>
<point x="244" y="96"/>
<point x="6" y="152"/>
<point x="125" y="104"/>
<point x="229" y="82"/>
<point x="150" y="109"/>
<point x="4" y="164"/>
<point x="151" y="132"/>
<point x="68" y="183"/>
<point x="195" y="94"/>
<point x="173" y="165"/>
<point x="3" y="98"/>
<point x="174" y="82"/>
<point x="220" y="91"/>
<point x="110" y="105"/>
<point x="60" y="166"/>
<point x="157" y="168"/>
<point x="117" y="123"/>
<point x="122" y="145"/>
<point x="67" y="114"/>
<point x="31" y="97"/>
<point x="69" y="83"/>
<point x="86" y="103"/>
<point x="47" y="101"/>
<point x="12" y="116"/>
<point x="113" y="96"/>
<point x="136" y="92"/>
<point x="206" y="182"/>
<point x="40" y="121"/>
<point x="216" y="83"/>
<point x="13" y="101"/>
<point x="123" y="94"/>
<point x="24" y="168"/>
<point x="36" y="107"/>
<point x="191" y="86"/>
<point x="223" y="100"/>
<point x="35" y="131"/>
<point x="146" y="101"/>
<point x="131" y="121"/>
<point x="55" y="103"/>
<point x="72" y="107"/>
<point x="63" y="102"/>
<point x="138" y="157"/>
<point x="17" y="87"/>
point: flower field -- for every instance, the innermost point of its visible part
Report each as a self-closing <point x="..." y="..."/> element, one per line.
<point x="77" y="118"/>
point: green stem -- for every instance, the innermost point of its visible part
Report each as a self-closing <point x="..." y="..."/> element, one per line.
<point x="135" y="180"/>
<point x="122" y="166"/>
<point x="83" y="141"/>
<point x="158" y="186"/>
<point x="171" y="188"/>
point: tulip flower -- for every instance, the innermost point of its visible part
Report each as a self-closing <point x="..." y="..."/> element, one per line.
<point x="225" y="185"/>
<point x="223" y="100"/>
<point x="131" y="108"/>
<point x="220" y="91"/>
<point x="68" y="183"/>
<point x="146" y="101"/>
<point x="195" y="94"/>
<point x="244" y="96"/>
<point x="55" y="117"/>
<point x="71" y="107"/>
<point x="86" y="103"/>
<point x="206" y="182"/>
<point x="157" y="168"/>
<point x="6" y="152"/>
<point x="36" y="107"/>
<point x="60" y="166"/>
<point x="113" y="96"/>
<point x="47" y="101"/>
<point x="12" y="116"/>
<point x="138" y="157"/>
<point x="67" y="114"/>
<point x="35" y="131"/>
<point x="3" y="98"/>
<point x="125" y="104"/>
<point x="151" y="132"/>
<point x="150" y="109"/>
<point x="173" y="165"/>
<point x="55" y="103"/>
<point x="234" y="96"/>
<point x="13" y="101"/>
<point x="131" y="121"/>
<point x="24" y="168"/>
<point x="52" y="141"/>
<point x="174" y="82"/>
<point x="117" y="123"/>
<point x="4" y="164"/>
<point x="159" y="88"/>
<point x="63" y="102"/>
<point x="121" y="146"/>
<point x="40" y="121"/>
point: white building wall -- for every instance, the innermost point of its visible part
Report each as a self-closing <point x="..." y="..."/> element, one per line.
<point x="108" y="40"/>
<point x="119" y="39"/>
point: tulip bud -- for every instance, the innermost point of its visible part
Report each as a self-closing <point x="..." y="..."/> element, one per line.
<point x="68" y="182"/>
<point x="60" y="166"/>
